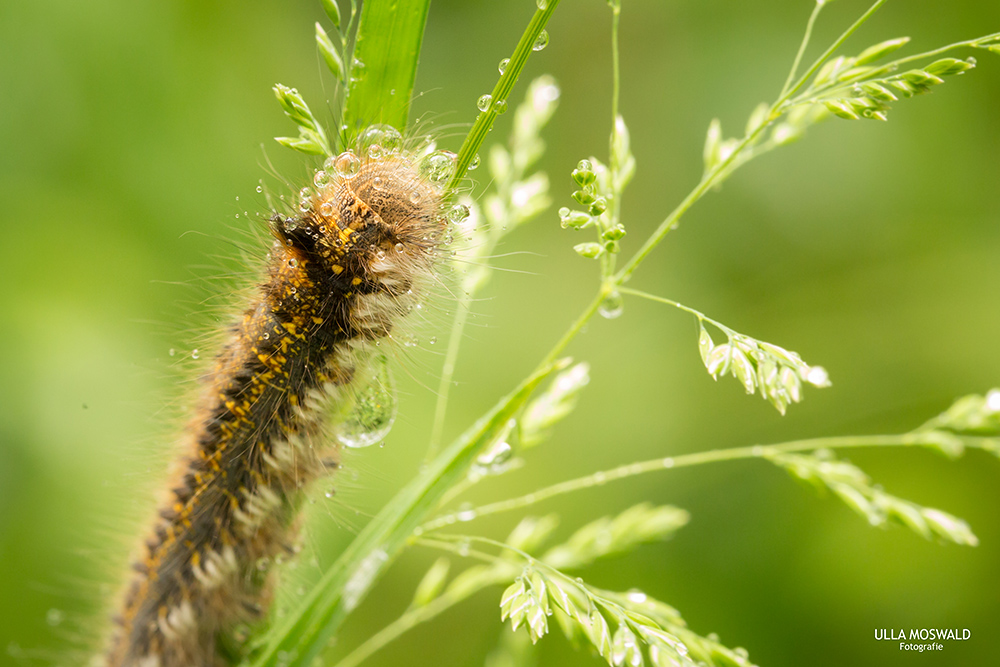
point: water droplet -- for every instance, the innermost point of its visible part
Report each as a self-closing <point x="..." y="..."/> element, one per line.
<point x="483" y="103"/>
<point x="585" y="165"/>
<point x="433" y="340"/>
<point x="475" y="161"/>
<point x="321" y="178"/>
<point x="636" y="596"/>
<point x="438" y="166"/>
<point x="386" y="137"/>
<point x="326" y="209"/>
<point x="415" y="197"/>
<point x="457" y="213"/>
<point x="330" y="493"/>
<point x="971" y="60"/>
<point x="399" y="248"/>
<point x="195" y="354"/>
<point x="305" y="193"/>
<point x="357" y="69"/>
<point x="347" y="164"/>
<point x="542" y="4"/>
<point x="541" y="41"/>
<point x="172" y="352"/>
<point x="494" y="459"/>
<point x="260" y="188"/>
<point x="374" y="410"/>
<point x="267" y="335"/>
<point x="54" y="617"/>
<point x="612" y="306"/>
<point x="500" y="106"/>
<point x="503" y="65"/>
<point x="377" y="182"/>
<point x="465" y="512"/>
<point x="375" y="152"/>
<point x="293" y="263"/>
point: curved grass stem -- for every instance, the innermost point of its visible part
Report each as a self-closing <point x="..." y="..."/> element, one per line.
<point x="687" y="460"/>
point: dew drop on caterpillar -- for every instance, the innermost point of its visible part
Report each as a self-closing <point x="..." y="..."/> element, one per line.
<point x="341" y="272"/>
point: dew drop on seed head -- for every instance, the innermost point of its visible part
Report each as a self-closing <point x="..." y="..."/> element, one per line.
<point x="171" y="352"/>
<point x="195" y="354"/>
<point x="374" y="410"/>
<point x="260" y="188"/>
<point x="293" y="263"/>
<point x="612" y="306"/>
<point x="541" y="41"/>
<point x="377" y="183"/>
<point x="483" y="103"/>
<point x="347" y="164"/>
<point x="399" y="248"/>
<point x="415" y="197"/>
<point x="321" y="178"/>
<point x="375" y="152"/>
<point x="326" y="209"/>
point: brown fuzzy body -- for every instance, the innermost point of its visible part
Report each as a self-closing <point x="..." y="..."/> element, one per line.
<point x="339" y="277"/>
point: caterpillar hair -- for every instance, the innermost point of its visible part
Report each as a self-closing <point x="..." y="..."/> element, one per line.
<point x="340" y="275"/>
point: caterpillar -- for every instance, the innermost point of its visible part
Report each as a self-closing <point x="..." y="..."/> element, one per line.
<point x="340" y="274"/>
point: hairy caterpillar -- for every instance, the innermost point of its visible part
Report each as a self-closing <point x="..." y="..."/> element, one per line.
<point x="339" y="276"/>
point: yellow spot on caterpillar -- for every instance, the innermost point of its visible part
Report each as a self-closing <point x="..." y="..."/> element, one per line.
<point x="337" y="268"/>
<point x="356" y="280"/>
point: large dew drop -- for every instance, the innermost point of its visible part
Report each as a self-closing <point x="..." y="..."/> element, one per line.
<point x="386" y="137"/>
<point x="438" y="167"/>
<point x="612" y="306"/>
<point x="374" y="410"/>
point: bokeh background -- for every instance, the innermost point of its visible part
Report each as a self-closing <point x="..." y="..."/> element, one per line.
<point x="132" y="139"/>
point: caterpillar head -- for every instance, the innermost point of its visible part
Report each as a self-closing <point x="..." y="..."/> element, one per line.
<point x="377" y="213"/>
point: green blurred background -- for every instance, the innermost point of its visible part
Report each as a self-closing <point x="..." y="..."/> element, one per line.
<point x="131" y="142"/>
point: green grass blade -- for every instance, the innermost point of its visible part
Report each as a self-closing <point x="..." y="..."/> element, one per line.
<point x="484" y="122"/>
<point x="386" y="52"/>
<point x="305" y="632"/>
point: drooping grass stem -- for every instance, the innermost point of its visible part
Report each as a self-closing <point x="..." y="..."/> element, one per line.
<point x="687" y="460"/>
